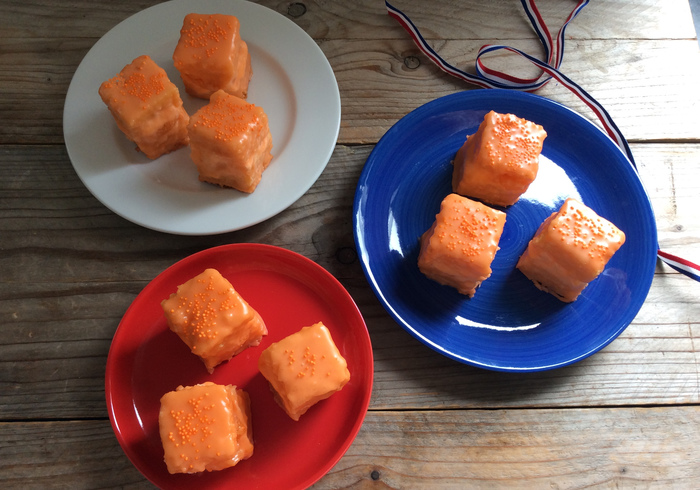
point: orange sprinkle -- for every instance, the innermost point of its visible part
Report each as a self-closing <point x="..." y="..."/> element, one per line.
<point x="229" y="120"/>
<point x="137" y="84"/>
<point x="206" y="32"/>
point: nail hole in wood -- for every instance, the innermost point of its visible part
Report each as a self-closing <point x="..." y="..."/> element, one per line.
<point x="411" y="62"/>
<point x="296" y="9"/>
<point x="346" y="255"/>
<point x="375" y="475"/>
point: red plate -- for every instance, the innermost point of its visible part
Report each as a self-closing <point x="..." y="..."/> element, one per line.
<point x="146" y="360"/>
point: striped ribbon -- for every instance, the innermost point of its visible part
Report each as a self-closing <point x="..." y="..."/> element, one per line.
<point x="554" y="55"/>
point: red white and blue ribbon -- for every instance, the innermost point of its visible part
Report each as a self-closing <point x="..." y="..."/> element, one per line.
<point x="681" y="265"/>
<point x="554" y="55"/>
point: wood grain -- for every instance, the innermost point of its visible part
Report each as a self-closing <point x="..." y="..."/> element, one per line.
<point x="645" y="84"/>
<point x="63" y="302"/>
<point x="647" y="89"/>
<point x="578" y="448"/>
<point x="574" y="448"/>
<point x="69" y="267"/>
<point x="363" y="19"/>
<point x="75" y="454"/>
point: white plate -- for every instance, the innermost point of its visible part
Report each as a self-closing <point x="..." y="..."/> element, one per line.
<point x="292" y="81"/>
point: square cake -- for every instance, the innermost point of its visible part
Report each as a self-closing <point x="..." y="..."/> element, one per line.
<point x="210" y="55"/>
<point x="458" y="249"/>
<point x="206" y="427"/>
<point x="147" y="107"/>
<point x="215" y="322"/>
<point x="498" y="163"/>
<point x="230" y="142"/>
<point x="303" y="369"/>
<point x="570" y="249"/>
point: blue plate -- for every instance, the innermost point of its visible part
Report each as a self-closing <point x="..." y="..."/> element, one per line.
<point x="509" y="325"/>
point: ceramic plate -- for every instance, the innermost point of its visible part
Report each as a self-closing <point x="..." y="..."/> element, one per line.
<point x="146" y="360"/>
<point x="292" y="81"/>
<point x="509" y="324"/>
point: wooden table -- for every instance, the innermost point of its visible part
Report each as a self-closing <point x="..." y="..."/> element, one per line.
<point x="628" y="416"/>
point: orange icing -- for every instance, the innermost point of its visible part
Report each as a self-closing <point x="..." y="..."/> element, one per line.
<point x="136" y="85"/>
<point x="206" y="32"/>
<point x="147" y="107"/>
<point x="231" y="142"/>
<point x="210" y="55"/>
<point x="498" y="162"/>
<point x="213" y="320"/>
<point x="304" y="368"/>
<point x="569" y="250"/>
<point x="231" y="119"/>
<point x="459" y="247"/>
<point x="205" y="427"/>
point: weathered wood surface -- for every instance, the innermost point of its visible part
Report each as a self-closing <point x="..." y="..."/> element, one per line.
<point x="69" y="267"/>
<point x="644" y="82"/>
<point x="548" y="448"/>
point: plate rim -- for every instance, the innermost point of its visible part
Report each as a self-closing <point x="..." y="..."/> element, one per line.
<point x="247" y="248"/>
<point x="466" y="97"/>
<point x="212" y="225"/>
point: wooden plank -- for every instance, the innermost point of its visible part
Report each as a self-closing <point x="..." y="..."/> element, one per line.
<point x="577" y="448"/>
<point x="572" y="448"/>
<point x="367" y="19"/>
<point x="60" y="305"/>
<point x="645" y="90"/>
<point x="648" y="90"/>
<point x="668" y="178"/>
<point x="649" y="19"/>
<point x="76" y="454"/>
<point x="41" y="197"/>
<point x="54" y="368"/>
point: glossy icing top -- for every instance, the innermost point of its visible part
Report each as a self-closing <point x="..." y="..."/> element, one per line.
<point x="205" y="427"/>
